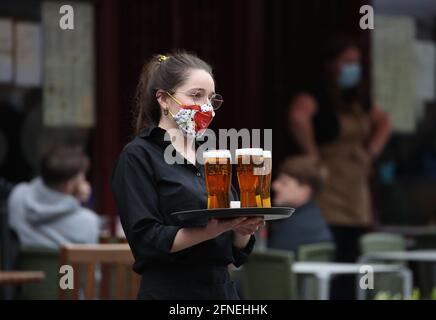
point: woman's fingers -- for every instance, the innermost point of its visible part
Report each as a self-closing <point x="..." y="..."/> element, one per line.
<point x="215" y="227"/>
<point x="245" y="231"/>
<point x="242" y="225"/>
<point x="230" y="224"/>
<point x="249" y="228"/>
<point x="254" y="221"/>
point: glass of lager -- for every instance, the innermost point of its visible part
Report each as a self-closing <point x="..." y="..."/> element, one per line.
<point x="265" y="180"/>
<point x="218" y="173"/>
<point x="249" y="163"/>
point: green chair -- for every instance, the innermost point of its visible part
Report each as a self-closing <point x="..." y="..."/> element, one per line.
<point x="315" y="252"/>
<point x="318" y="252"/>
<point x="379" y="242"/>
<point x="425" y="270"/>
<point x="40" y="259"/>
<point x="267" y="275"/>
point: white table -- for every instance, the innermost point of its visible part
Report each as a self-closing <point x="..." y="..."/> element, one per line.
<point x="409" y="230"/>
<point x="413" y="255"/>
<point x="324" y="271"/>
<point x="402" y="256"/>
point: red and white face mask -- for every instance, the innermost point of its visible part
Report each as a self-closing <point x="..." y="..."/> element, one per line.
<point x="193" y="120"/>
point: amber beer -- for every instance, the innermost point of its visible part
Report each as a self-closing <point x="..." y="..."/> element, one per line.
<point x="265" y="180"/>
<point x="249" y="162"/>
<point x="218" y="173"/>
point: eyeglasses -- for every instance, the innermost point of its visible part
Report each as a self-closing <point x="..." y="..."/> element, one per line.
<point x="199" y="98"/>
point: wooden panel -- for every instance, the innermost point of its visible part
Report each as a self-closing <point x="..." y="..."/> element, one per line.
<point x="9" y="277"/>
<point x="90" y="282"/>
<point x="120" y="281"/>
<point x="75" y="292"/>
<point x="105" y="281"/>
<point x="108" y="256"/>
<point x="135" y="282"/>
<point x="104" y="253"/>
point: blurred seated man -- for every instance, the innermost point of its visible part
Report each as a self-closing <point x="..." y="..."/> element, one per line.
<point x="47" y="212"/>
<point x="299" y="179"/>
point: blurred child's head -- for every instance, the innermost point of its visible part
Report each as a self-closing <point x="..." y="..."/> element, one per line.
<point x="299" y="179"/>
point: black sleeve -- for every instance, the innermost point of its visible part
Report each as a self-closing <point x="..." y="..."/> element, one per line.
<point x="240" y="256"/>
<point x="136" y="195"/>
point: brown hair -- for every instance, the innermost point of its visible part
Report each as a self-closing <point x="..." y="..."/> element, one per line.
<point x="306" y="170"/>
<point x="63" y="163"/>
<point x="166" y="73"/>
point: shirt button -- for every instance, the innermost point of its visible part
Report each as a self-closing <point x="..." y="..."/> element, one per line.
<point x="198" y="174"/>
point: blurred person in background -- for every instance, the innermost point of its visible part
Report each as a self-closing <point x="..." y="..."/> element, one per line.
<point x="48" y="212"/>
<point x="5" y="189"/>
<point x="299" y="180"/>
<point x="338" y="124"/>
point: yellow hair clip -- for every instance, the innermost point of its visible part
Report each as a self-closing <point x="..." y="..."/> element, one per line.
<point x="162" y="58"/>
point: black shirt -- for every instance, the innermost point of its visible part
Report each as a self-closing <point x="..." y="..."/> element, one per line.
<point x="147" y="190"/>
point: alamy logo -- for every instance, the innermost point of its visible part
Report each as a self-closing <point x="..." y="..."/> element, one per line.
<point x="227" y="139"/>
<point x="66" y="22"/>
<point x="367" y="20"/>
<point x="66" y="281"/>
<point x="367" y="280"/>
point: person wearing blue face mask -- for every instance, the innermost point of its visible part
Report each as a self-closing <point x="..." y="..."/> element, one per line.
<point x="337" y="123"/>
<point x="350" y="74"/>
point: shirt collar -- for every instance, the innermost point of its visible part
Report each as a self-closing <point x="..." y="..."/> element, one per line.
<point x="146" y="132"/>
<point x="154" y="133"/>
<point x="157" y="134"/>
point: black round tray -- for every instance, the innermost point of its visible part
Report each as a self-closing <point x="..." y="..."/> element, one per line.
<point x="274" y="213"/>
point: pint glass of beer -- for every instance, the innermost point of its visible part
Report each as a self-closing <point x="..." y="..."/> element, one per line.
<point x="265" y="180"/>
<point x="249" y="163"/>
<point x="218" y="173"/>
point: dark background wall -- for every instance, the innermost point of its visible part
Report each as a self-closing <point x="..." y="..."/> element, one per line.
<point x="261" y="51"/>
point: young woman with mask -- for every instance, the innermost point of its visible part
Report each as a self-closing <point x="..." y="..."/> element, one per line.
<point x="337" y="124"/>
<point x="176" y="96"/>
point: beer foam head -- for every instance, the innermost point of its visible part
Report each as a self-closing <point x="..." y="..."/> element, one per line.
<point x="267" y="154"/>
<point x="249" y="152"/>
<point x="217" y="154"/>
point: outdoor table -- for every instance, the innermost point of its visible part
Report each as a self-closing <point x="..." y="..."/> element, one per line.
<point x="324" y="271"/>
<point x="412" y="255"/>
<point x="409" y="230"/>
